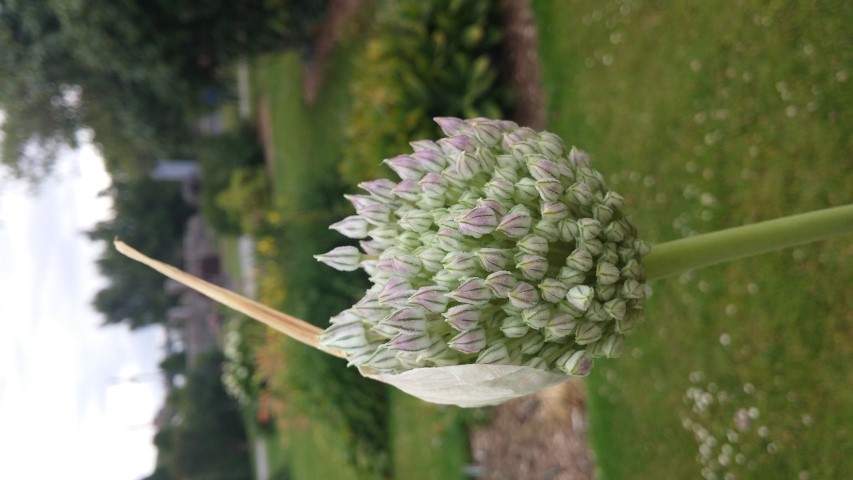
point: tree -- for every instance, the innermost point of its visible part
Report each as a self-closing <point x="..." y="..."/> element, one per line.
<point x="151" y="216"/>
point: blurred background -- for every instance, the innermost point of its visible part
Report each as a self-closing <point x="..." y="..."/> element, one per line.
<point x="219" y="136"/>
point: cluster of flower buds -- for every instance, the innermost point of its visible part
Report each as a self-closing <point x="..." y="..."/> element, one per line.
<point x="497" y="246"/>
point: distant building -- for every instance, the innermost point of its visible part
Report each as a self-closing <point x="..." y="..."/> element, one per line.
<point x="186" y="172"/>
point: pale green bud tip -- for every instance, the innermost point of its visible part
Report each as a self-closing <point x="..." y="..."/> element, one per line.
<point x="495" y="245"/>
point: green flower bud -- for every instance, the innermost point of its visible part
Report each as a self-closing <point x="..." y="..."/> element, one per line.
<point x="547" y="229"/>
<point x="549" y="189"/>
<point x="471" y="341"/>
<point x="532" y="343"/>
<point x="514" y="327"/>
<point x="533" y="267"/>
<point x="495" y="353"/>
<point x="577" y="363"/>
<point x="416" y="221"/>
<point x="536" y="316"/>
<point x="494" y="259"/>
<point x="580" y="259"/>
<point x="615" y="308"/>
<point x="553" y="290"/>
<point x="560" y="326"/>
<point x="606" y="273"/>
<point x="523" y="295"/>
<point x="431" y="298"/>
<point x="580" y="297"/>
<point x="533" y="244"/>
<point x="587" y="332"/>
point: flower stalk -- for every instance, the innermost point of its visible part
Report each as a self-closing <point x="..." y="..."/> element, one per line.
<point x="677" y="256"/>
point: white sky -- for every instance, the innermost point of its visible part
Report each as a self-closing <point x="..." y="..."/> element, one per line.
<point x="64" y="413"/>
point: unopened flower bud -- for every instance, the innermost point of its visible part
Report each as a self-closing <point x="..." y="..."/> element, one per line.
<point x="552" y="290"/>
<point x="523" y="295"/>
<point x="431" y="298"/>
<point x="611" y="346"/>
<point x="344" y="336"/>
<point x="450" y="239"/>
<point x="416" y="221"/>
<point x="587" y="332"/>
<point x="533" y="244"/>
<point x="536" y="316"/>
<point x="471" y="341"/>
<point x="494" y="259"/>
<point x="525" y="191"/>
<point x="353" y="227"/>
<point x="580" y="297"/>
<point x="473" y="291"/>
<point x="560" y="326"/>
<point x="411" y="342"/>
<point x="606" y="273"/>
<point x="430" y="257"/>
<point x="405" y="167"/>
<point x="450" y="126"/>
<point x="516" y="223"/>
<point x="554" y="212"/>
<point x="407" y="190"/>
<point x="614" y="200"/>
<point x="589" y="228"/>
<point x="547" y="229"/>
<point x="433" y="185"/>
<point x="513" y="326"/>
<point x="633" y="289"/>
<point x="540" y="167"/>
<point x="580" y="259"/>
<point x="571" y="276"/>
<point x="533" y="267"/>
<point x="477" y="222"/>
<point x="463" y="317"/>
<point x="549" y="189"/>
<point x="495" y="353"/>
<point x="500" y="189"/>
<point x="463" y="264"/>
<point x="380" y="189"/>
<point x="395" y="292"/>
<point x="532" y="343"/>
<point x="551" y="145"/>
<point x="577" y="363"/>
<point x="615" y="308"/>
<point x="345" y="259"/>
<point x="602" y="213"/>
<point x="408" y="320"/>
<point x="578" y="158"/>
<point x="501" y="282"/>
<point x="596" y="312"/>
<point x="581" y="193"/>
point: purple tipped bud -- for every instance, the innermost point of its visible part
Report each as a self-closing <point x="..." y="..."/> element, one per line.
<point x="606" y="273"/>
<point x="523" y="148"/>
<point x="450" y="125"/>
<point x="456" y="145"/>
<point x="587" y="332"/>
<point x="405" y="265"/>
<point x="376" y="214"/>
<point x="560" y="325"/>
<point x="433" y="185"/>
<point x="552" y="290"/>
<point x="496" y="354"/>
<point x="463" y="264"/>
<point x="591" y="177"/>
<point x="580" y="259"/>
<point x="433" y="162"/>
<point x="581" y="193"/>
<point x="501" y="283"/>
<point x="536" y="316"/>
<point x="488" y="133"/>
<point x="425" y="146"/>
<point x="467" y="166"/>
<point x="533" y="244"/>
<point x="379" y="188"/>
<point x="406" y="167"/>
<point x="471" y="341"/>
<point x="513" y="326"/>
<point x="537" y="362"/>
<point x="533" y="267"/>
<point x="383" y="360"/>
<point x="580" y="297"/>
<point x="345" y="259"/>
<point x="416" y="221"/>
<point x="407" y="190"/>
<point x="578" y="158"/>
<point x="493" y="259"/>
<point x="547" y="229"/>
<point x="473" y="291"/>
<point x="431" y="298"/>
<point x="411" y="342"/>
<point x="540" y="167"/>
<point x="352" y="227"/>
<point x="523" y="295"/>
<point x="370" y="309"/>
<point x="477" y="222"/>
<point x="492" y="205"/>
<point x="395" y="292"/>
<point x="578" y="363"/>
<point x="463" y="317"/>
<point x="516" y="223"/>
<point x="406" y="320"/>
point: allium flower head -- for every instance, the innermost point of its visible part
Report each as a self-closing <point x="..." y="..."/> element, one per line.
<point x="497" y="246"/>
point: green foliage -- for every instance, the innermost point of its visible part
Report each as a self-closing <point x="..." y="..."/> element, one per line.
<point x="204" y="436"/>
<point x="246" y="198"/>
<point x="706" y="118"/>
<point x="220" y="157"/>
<point x="150" y="216"/>
<point x="426" y="59"/>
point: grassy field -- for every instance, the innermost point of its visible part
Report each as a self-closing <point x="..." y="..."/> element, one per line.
<point x="426" y="442"/>
<point x="708" y="115"/>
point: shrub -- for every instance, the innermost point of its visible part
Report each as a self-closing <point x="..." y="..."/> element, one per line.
<point x="426" y="59"/>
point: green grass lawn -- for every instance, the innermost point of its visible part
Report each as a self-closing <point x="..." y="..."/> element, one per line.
<point x="708" y="115"/>
<point x="426" y="442"/>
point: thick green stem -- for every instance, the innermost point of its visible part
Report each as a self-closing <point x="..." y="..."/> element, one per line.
<point x="678" y="256"/>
